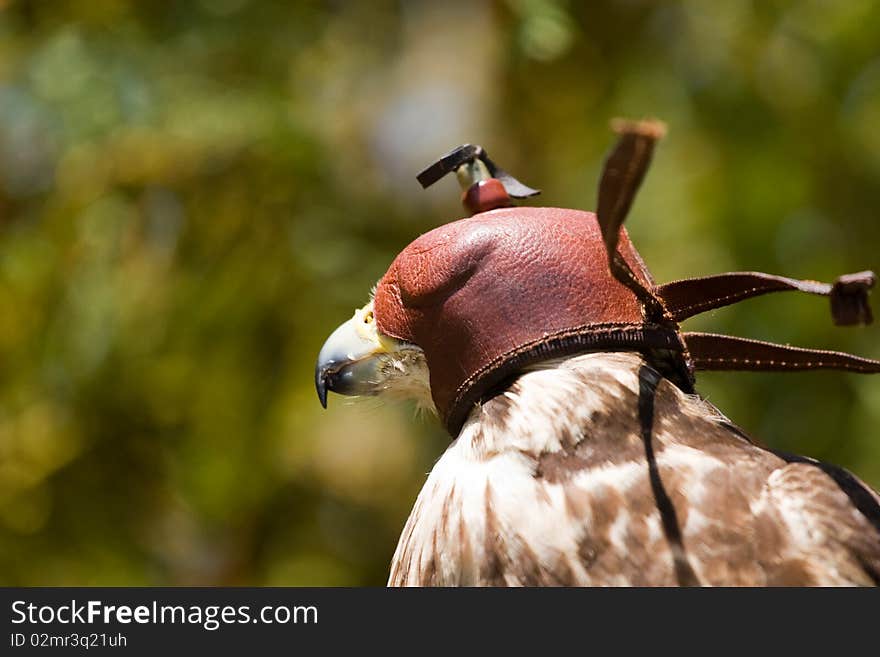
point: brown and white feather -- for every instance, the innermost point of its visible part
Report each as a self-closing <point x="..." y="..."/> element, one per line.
<point x="549" y="483"/>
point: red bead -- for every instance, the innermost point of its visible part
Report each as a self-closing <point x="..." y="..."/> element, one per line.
<point x="485" y="195"/>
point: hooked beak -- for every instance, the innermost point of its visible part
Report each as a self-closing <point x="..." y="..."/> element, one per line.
<point x="349" y="361"/>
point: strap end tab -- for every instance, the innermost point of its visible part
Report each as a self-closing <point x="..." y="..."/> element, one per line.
<point x="849" y="299"/>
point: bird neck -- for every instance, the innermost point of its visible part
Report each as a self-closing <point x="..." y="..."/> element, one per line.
<point x="556" y="403"/>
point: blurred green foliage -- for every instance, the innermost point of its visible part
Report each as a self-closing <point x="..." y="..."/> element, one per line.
<point x="194" y="194"/>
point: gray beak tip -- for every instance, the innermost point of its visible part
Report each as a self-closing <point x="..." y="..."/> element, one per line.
<point x="321" y="386"/>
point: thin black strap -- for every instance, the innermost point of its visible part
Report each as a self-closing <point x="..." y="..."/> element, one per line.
<point x="684" y="572"/>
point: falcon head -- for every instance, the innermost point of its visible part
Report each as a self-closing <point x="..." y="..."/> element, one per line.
<point x="359" y="360"/>
<point x="460" y="300"/>
<point x="467" y="306"/>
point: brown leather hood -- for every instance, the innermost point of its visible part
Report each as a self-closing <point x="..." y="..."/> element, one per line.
<point x="474" y="292"/>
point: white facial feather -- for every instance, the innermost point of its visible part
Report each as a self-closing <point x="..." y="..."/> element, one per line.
<point x="403" y="371"/>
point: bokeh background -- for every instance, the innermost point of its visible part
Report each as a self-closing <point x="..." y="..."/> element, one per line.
<point x="194" y="194"/>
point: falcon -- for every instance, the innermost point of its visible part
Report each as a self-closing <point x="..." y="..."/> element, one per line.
<point x="582" y="454"/>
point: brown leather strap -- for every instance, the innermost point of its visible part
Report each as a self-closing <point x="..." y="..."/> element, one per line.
<point x="624" y="170"/>
<point x="709" y="351"/>
<point x="691" y="296"/>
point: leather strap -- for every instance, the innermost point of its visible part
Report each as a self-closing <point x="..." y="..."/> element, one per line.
<point x="624" y="170"/>
<point x="709" y="351"/>
<point x="673" y="302"/>
<point x="691" y="296"/>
